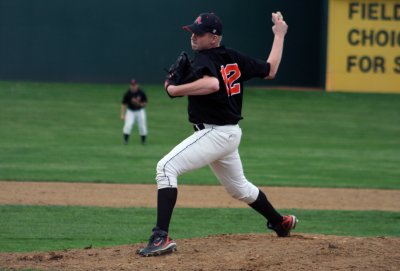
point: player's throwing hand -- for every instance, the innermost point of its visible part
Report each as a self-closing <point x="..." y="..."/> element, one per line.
<point x="280" y="27"/>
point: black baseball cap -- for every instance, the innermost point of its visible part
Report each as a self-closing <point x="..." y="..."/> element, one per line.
<point x="133" y="81"/>
<point x="205" y="23"/>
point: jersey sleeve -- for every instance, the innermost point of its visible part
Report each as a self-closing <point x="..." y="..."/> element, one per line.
<point x="204" y="63"/>
<point x="144" y="97"/>
<point x="252" y="67"/>
<point x="125" y="98"/>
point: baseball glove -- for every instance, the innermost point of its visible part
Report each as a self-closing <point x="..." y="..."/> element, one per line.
<point x="181" y="72"/>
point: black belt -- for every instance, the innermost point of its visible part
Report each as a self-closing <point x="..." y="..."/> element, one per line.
<point x="198" y="127"/>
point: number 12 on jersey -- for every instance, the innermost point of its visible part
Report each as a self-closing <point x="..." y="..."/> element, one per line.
<point x="231" y="73"/>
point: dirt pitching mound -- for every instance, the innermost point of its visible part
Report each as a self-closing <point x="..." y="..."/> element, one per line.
<point x="227" y="252"/>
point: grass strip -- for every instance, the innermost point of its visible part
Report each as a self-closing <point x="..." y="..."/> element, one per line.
<point x="44" y="228"/>
<point x="72" y="132"/>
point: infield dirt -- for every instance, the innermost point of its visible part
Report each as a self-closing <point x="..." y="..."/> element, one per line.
<point x="127" y="195"/>
<point x="242" y="252"/>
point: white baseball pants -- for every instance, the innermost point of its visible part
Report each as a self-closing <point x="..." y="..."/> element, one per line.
<point x="132" y="116"/>
<point x="216" y="146"/>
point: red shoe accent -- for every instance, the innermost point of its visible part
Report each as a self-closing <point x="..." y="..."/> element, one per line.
<point x="167" y="242"/>
<point x="157" y="244"/>
<point x="288" y="222"/>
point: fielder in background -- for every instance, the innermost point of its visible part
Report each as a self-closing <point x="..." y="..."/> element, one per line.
<point x="213" y="83"/>
<point x="133" y="110"/>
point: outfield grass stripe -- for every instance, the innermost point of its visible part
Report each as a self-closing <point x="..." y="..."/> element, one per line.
<point x="72" y="132"/>
<point x="34" y="228"/>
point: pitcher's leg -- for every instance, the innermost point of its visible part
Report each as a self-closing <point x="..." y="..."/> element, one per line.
<point x="198" y="150"/>
<point x="229" y="171"/>
<point x="166" y="199"/>
<point x="184" y="157"/>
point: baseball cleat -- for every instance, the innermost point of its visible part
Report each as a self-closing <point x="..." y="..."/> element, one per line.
<point x="283" y="229"/>
<point x="159" y="244"/>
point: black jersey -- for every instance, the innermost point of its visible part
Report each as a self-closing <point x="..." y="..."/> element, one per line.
<point x="232" y="68"/>
<point x="130" y="97"/>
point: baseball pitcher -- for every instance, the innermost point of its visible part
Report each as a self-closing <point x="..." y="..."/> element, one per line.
<point x="213" y="83"/>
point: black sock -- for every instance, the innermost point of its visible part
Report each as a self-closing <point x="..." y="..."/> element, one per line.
<point x="166" y="200"/>
<point x="126" y="138"/>
<point x="143" y="138"/>
<point x="264" y="207"/>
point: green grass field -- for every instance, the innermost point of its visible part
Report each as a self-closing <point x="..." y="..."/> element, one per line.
<point x="34" y="228"/>
<point x="72" y="132"/>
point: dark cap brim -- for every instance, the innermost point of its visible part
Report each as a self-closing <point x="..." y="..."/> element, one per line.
<point x="194" y="28"/>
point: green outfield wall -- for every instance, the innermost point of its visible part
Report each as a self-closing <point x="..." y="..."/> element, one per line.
<point x="111" y="41"/>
